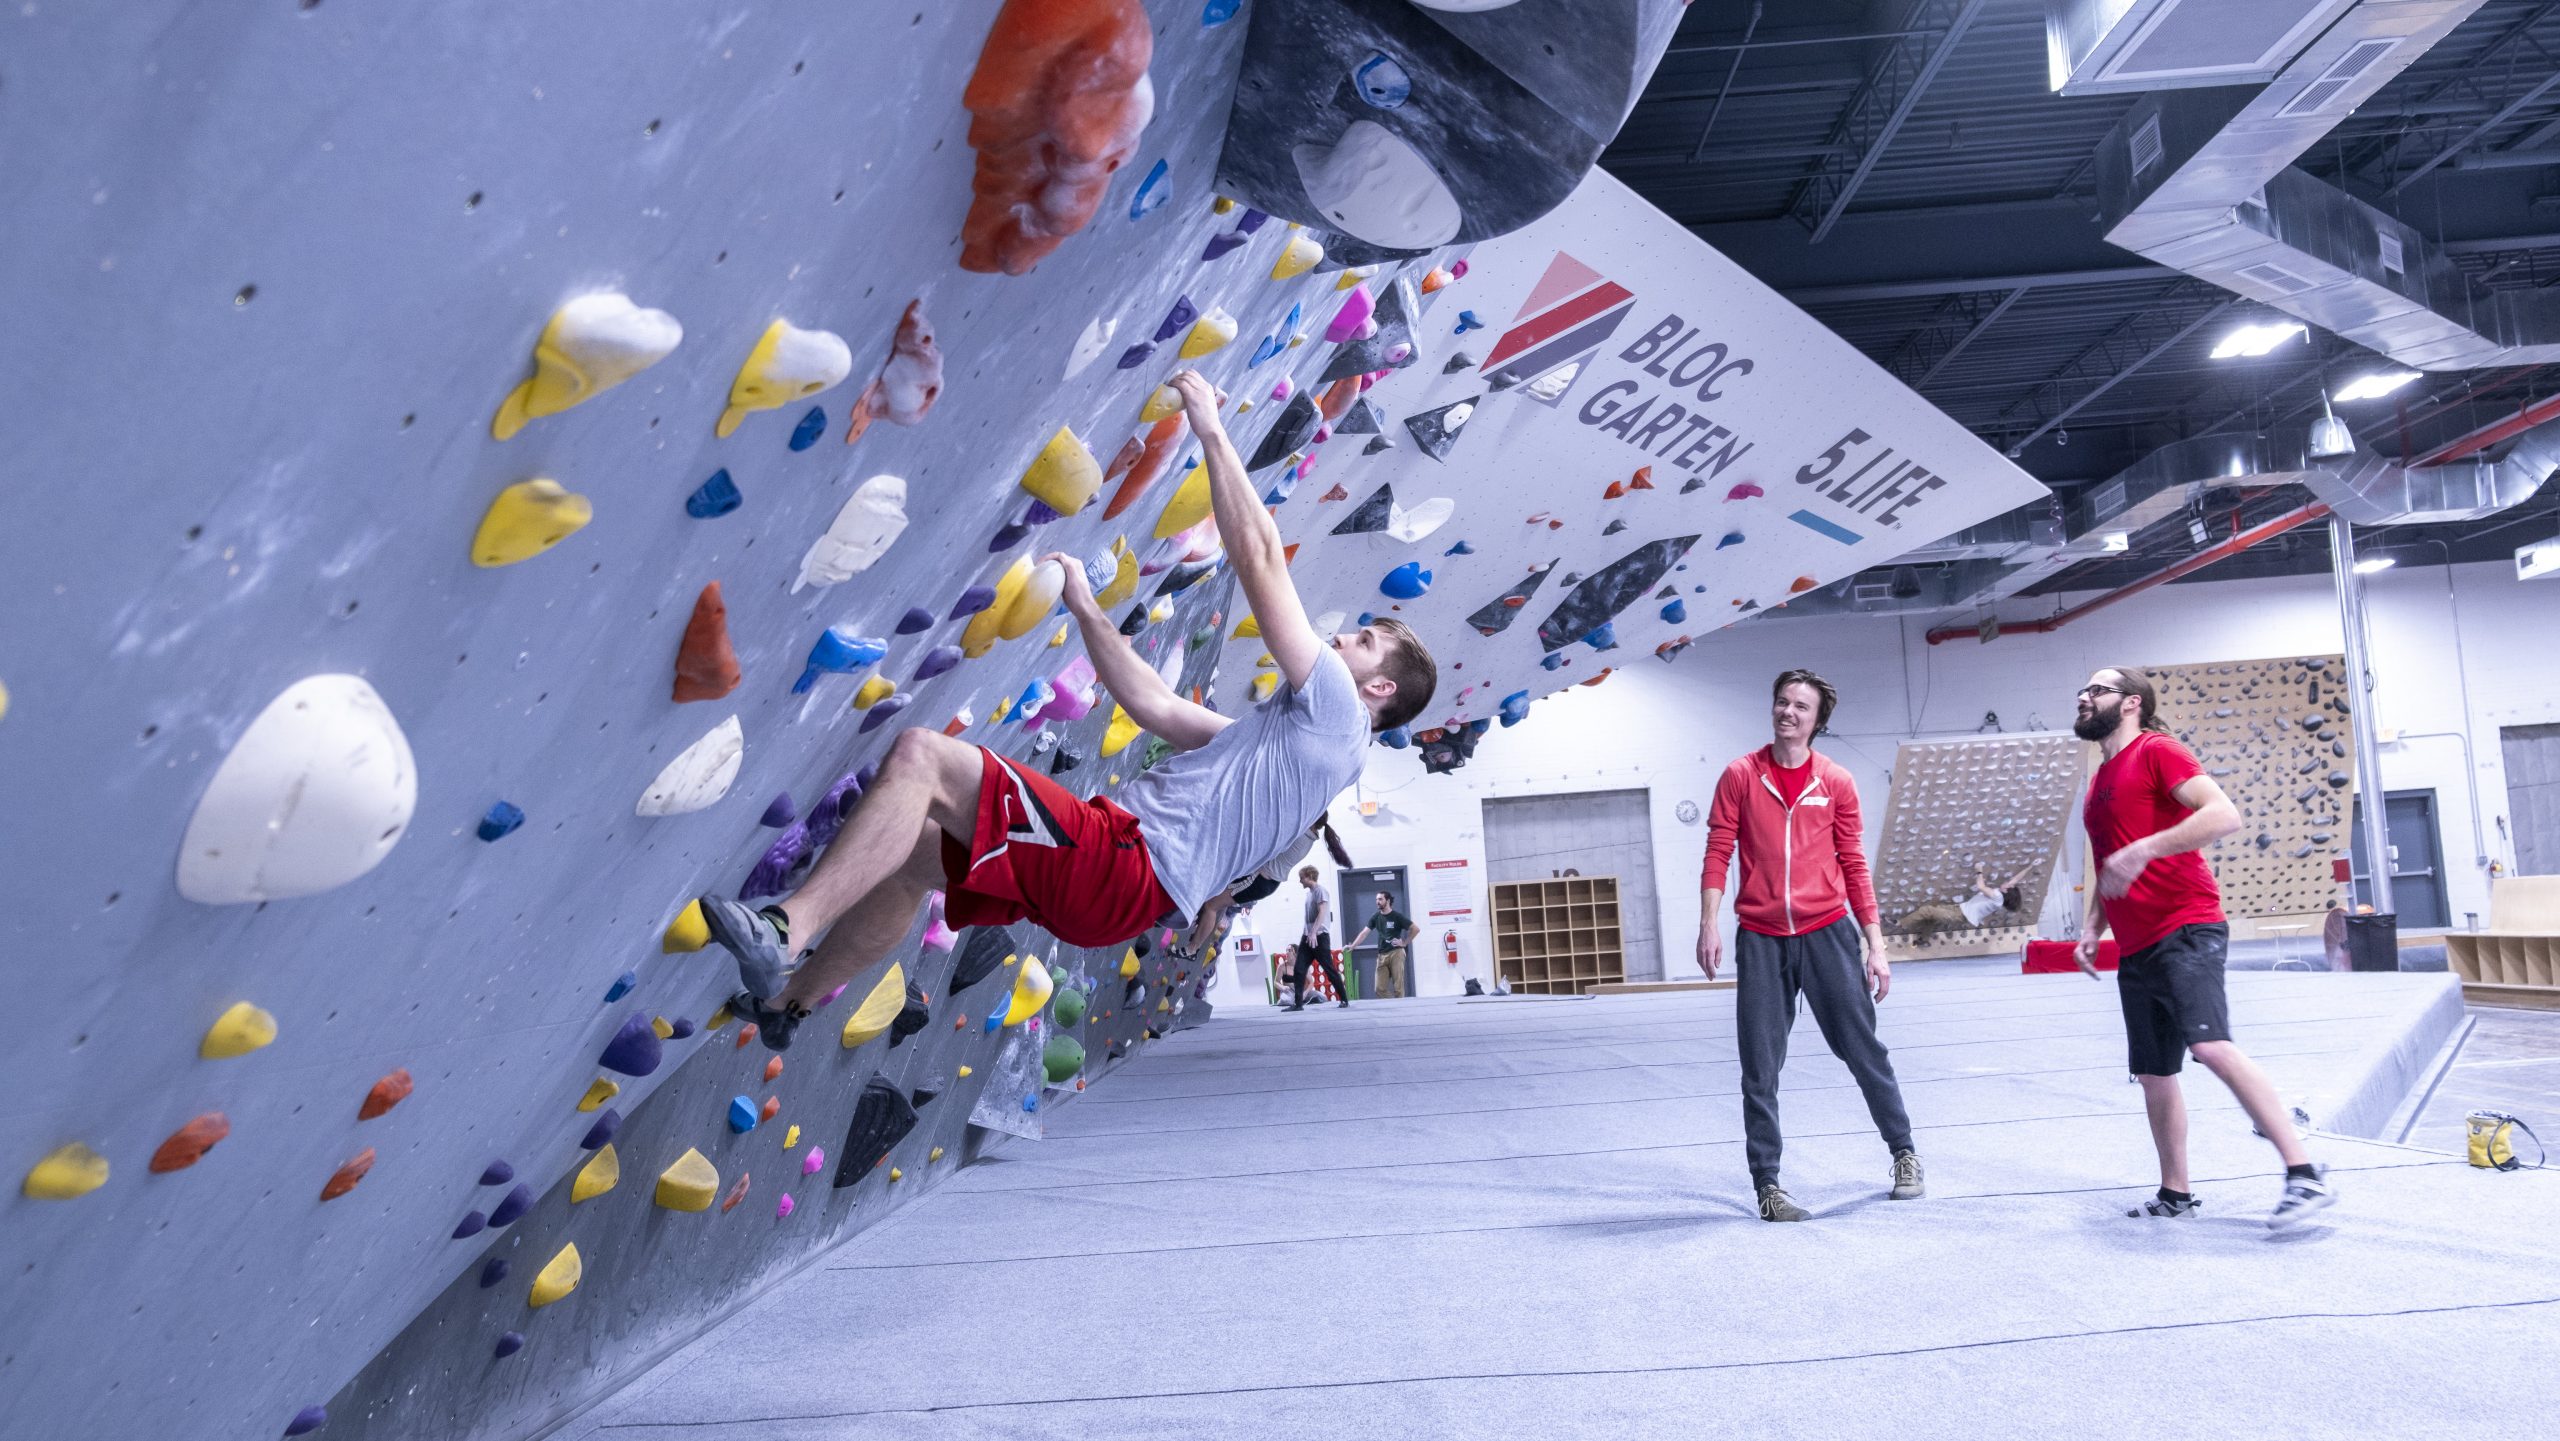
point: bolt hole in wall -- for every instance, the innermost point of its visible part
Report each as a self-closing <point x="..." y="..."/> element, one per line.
<point x="1594" y="833"/>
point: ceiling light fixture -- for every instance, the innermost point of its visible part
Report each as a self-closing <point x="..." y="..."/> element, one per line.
<point x="2372" y="563"/>
<point x="2258" y="339"/>
<point x="2330" y="437"/>
<point x="2117" y="541"/>
<point x="2374" y="386"/>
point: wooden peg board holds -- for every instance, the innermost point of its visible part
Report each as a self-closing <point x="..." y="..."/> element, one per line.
<point x="2275" y="733"/>
<point x="1995" y="805"/>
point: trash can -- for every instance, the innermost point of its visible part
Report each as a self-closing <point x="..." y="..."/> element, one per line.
<point x="2373" y="943"/>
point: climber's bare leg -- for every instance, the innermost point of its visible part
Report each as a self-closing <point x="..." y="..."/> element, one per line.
<point x="928" y="778"/>
<point x="873" y="926"/>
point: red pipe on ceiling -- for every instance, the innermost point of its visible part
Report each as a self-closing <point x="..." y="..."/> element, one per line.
<point x="2490" y="434"/>
<point x="2221" y="551"/>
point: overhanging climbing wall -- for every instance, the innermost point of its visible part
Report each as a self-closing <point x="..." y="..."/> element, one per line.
<point x="1998" y="806"/>
<point x="2275" y="734"/>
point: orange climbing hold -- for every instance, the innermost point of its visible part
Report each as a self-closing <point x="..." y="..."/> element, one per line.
<point x="1161" y="440"/>
<point x="1643" y="479"/>
<point x="1129" y="452"/>
<point x="1056" y="103"/>
<point x="746" y="1033"/>
<point x="1330" y="496"/>
<point x="345" y="1177"/>
<point x="737" y="1193"/>
<point x="1617" y="491"/>
<point x="187" y="1144"/>
<point x="1338" y="397"/>
<point x="908" y="384"/>
<point x="772" y="1105"/>
<point x="773" y="1070"/>
<point x="388" y="1092"/>
<point x="706" y="666"/>
<point x="1802" y="584"/>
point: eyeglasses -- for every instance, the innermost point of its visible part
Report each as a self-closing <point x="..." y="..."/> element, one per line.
<point x="2092" y="692"/>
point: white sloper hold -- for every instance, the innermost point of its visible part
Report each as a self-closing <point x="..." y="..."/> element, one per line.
<point x="1412" y="525"/>
<point x="1371" y="184"/>
<point x="315" y="793"/>
<point x="1091" y="345"/>
<point x="863" y="531"/>
<point x="698" y="777"/>
<point x="590" y="345"/>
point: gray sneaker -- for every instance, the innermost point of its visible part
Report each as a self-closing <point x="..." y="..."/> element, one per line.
<point x="1909" y="1182"/>
<point x="1777" y="1205"/>
<point x="764" y="962"/>
<point x="2160" y="1208"/>
<point x="2301" y="1198"/>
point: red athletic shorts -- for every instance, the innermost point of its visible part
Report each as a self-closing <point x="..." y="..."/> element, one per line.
<point x="1076" y="868"/>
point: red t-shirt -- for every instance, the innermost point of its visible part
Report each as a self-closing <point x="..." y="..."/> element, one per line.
<point x="1791" y="781"/>
<point x="2129" y="798"/>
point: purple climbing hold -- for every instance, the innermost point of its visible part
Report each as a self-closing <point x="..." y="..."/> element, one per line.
<point x="683" y="1028"/>
<point x="306" y="1420"/>
<point x="1220" y="244"/>
<point x="621" y="986"/>
<point x="973" y="600"/>
<point x="1182" y="314"/>
<point x="514" y="1204"/>
<point x="862" y="778"/>
<point x="742" y="1114"/>
<point x="1039" y="513"/>
<point x="498" y="1174"/>
<point x="509" y="1344"/>
<point x="779" y="812"/>
<point x="937" y="660"/>
<point x="881" y="710"/>
<point x="1007" y="536"/>
<point x="772" y="873"/>
<point x="916" y="619"/>
<point x="473" y="1223"/>
<point x="634" y="1050"/>
<point x="600" y="1134"/>
<point x="493" y="1273"/>
<point x="1135" y="356"/>
<point x="811" y="426"/>
<point x="1250" y="221"/>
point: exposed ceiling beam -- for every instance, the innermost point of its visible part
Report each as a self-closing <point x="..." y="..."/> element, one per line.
<point x="1955" y="325"/>
<point x="1782" y="42"/>
<point x="1875" y="115"/>
<point x="2473" y="136"/>
<point x="2117" y="356"/>
<point x="1956" y="285"/>
<point x="1698" y="152"/>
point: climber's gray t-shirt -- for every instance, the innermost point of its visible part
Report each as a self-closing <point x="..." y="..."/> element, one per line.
<point x="1222" y="812"/>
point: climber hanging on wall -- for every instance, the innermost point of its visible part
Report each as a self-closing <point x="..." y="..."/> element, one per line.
<point x="1007" y="844"/>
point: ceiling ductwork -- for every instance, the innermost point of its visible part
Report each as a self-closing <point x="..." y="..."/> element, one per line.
<point x="2098" y="47"/>
<point x="2202" y="181"/>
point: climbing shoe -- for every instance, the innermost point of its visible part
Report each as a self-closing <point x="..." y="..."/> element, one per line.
<point x="774" y="1024"/>
<point x="1909" y="1182"/>
<point x="2303" y="1195"/>
<point x="1777" y="1205"/>
<point x="764" y="957"/>
<point x="2169" y="1208"/>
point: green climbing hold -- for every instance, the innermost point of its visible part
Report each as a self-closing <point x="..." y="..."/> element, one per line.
<point x="1062" y="1058"/>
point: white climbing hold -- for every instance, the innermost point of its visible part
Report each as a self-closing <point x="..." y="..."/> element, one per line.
<point x="591" y="345"/>
<point x="314" y="794"/>
<point x="698" y="777"/>
<point x="863" y="531"/>
<point x="1372" y="184"/>
<point x="1091" y="345"/>
<point x="1421" y="520"/>
<point x="787" y="364"/>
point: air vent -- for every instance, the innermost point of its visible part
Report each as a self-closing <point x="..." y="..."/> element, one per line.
<point x="2106" y="501"/>
<point x="2393" y="257"/>
<point x="2340" y="76"/>
<point x="2145" y="145"/>
<point x="2274" y="277"/>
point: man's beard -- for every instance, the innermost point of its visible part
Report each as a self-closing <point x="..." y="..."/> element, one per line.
<point x="2098" y="724"/>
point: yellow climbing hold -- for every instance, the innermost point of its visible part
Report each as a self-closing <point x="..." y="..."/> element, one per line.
<point x="691" y="1184"/>
<point x="1264" y="684"/>
<point x="878" y="1009"/>
<point x="719" y="1018"/>
<point x="599" y="1091"/>
<point x="237" y="1032"/>
<point x="1122" y="730"/>
<point x="1033" y="602"/>
<point x="786" y="364"/>
<point x="965" y="1073"/>
<point x="982" y="631"/>
<point x="591" y="345"/>
<point x="70" y="1171"/>
<point x="1264" y="662"/>
<point x="1221" y="205"/>
<point x="896" y="1175"/>
<point x="4" y="700"/>
<point x="1058" y="637"/>
<point x="1249" y="628"/>
<point x="996" y="716"/>
<point x="791" y="1138"/>
<point x="666" y="1029"/>
<point x="687" y="932"/>
<point x="1124" y="581"/>
<point x="1129" y="964"/>
<point x="1164" y="404"/>
<point x="1160" y="612"/>
<point x="528" y="518"/>
<point x="1299" y="256"/>
<point x="1353" y="276"/>
<point x="600" y="1174"/>
<point x="558" y="1277"/>
<point x="875" y="690"/>
<point x="1210" y="332"/>
<point x="1064" y="475"/>
<point x="1189" y="505"/>
<point x="937" y="1154"/>
<point x="1030" y="992"/>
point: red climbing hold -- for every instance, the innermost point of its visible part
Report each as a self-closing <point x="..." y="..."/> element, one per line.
<point x="1330" y="496"/>
<point x="1643" y="479"/>
<point x="345" y="1177"/>
<point x="1130" y="450"/>
<point x="1802" y="584"/>
<point x="1617" y="491"/>
<point x="1338" y="397"/>
<point x="737" y="1193"/>
<point x="772" y="1105"/>
<point x="746" y="1033"/>
<point x="388" y="1092"/>
<point x="772" y="1070"/>
<point x="1151" y="458"/>
<point x="1056" y="103"/>
<point x="187" y="1144"/>
<point x="706" y="666"/>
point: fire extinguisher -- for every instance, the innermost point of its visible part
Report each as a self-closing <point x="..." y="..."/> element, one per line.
<point x="1449" y="946"/>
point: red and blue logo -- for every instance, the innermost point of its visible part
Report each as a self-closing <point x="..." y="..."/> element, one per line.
<point x="1570" y="313"/>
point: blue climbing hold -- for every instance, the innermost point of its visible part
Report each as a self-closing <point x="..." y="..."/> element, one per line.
<point x="1382" y="82"/>
<point x="1152" y="192"/>
<point x="1031" y="1102"/>
<point x="937" y="660"/>
<point x="308" y="1419"/>
<point x="1552" y="662"/>
<point x="1731" y="537"/>
<point x="1515" y="708"/>
<point x="1603" y="637"/>
<point x="1219" y="12"/>
<point x="779" y="812"/>
<point x="742" y="1114"/>
<point x="1461" y="548"/>
<point x="472" y="1224"/>
<point x="511" y="1206"/>
<point x="1365" y="619"/>
<point x="716" y="496"/>
<point x="684" y="1027"/>
<point x="1406" y="582"/>
<point x="634" y="1049"/>
<point x="501" y="819"/>
<point x="1035" y="695"/>
<point x="1222" y="243"/>
<point x="995" y="1022"/>
<point x="1136" y="355"/>
<point x="1467" y="321"/>
<point x="1396" y="738"/>
<point x="621" y="986"/>
<point x="1271" y="345"/>
<point x="811" y="426"/>
<point x="498" y="1174"/>
<point x="916" y="619"/>
<point x="1676" y="612"/>
<point x="838" y="651"/>
<point x="509" y="1344"/>
<point x="1182" y="314"/>
<point x="493" y="1273"/>
<point x="1281" y="490"/>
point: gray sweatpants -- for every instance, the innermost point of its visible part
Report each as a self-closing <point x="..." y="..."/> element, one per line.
<point x="1824" y="967"/>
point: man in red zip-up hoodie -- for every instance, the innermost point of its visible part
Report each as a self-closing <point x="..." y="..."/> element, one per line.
<point x="1793" y="815"/>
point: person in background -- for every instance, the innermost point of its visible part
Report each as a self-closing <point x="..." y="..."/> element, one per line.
<point x="1792" y="814"/>
<point x="1315" y="942"/>
<point x="2151" y="812"/>
<point x="1390" y="926"/>
<point x="1969" y="912"/>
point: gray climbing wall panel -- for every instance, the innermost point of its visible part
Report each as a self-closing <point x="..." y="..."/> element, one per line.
<point x="272" y="269"/>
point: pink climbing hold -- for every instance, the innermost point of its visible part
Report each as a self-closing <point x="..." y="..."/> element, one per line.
<point x="1457" y="270"/>
<point x="1745" y="491"/>
<point x="829" y="998"/>
<point x="783" y="1208"/>
<point x="810" y="1163"/>
<point x="1355" y="312"/>
<point x="1284" y="389"/>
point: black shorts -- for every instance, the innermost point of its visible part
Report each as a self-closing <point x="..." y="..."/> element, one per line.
<point x="2172" y="995"/>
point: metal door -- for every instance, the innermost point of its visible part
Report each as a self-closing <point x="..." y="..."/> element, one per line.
<point x="2417" y="859"/>
<point x="2533" y="796"/>
<point x="1355" y="899"/>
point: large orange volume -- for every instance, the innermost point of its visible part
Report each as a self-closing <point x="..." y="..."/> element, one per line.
<point x="1056" y="104"/>
<point x="706" y="668"/>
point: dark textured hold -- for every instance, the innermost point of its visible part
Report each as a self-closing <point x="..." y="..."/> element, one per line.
<point x="1063" y="762"/>
<point x="1390" y="347"/>
<point x="920" y="1097"/>
<point x="1297" y="421"/>
<point x="1618" y="585"/>
<point x="911" y="1018"/>
<point x="1361" y="419"/>
<point x="1136" y="621"/>
<point x="493" y="1273"/>
<point x="1372" y="516"/>
<point x="980" y="954"/>
<point x="1613" y="527"/>
<point x="608" y="1121"/>
<point x="1436" y="430"/>
<point x="1496" y="615"/>
<point x="499" y="1173"/>
<point x="509" y="1344"/>
<point x="512" y="1206"/>
<point x="1377" y="444"/>
<point x="634" y="1049"/>
<point x="1457" y="361"/>
<point x="2337" y="780"/>
<point x="881" y="1119"/>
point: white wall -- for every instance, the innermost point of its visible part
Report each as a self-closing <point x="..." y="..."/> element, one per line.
<point x="2451" y="661"/>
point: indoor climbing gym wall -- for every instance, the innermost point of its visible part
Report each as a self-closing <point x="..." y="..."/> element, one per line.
<point x="2275" y="734"/>
<point x="501" y="471"/>
<point x="1997" y="806"/>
